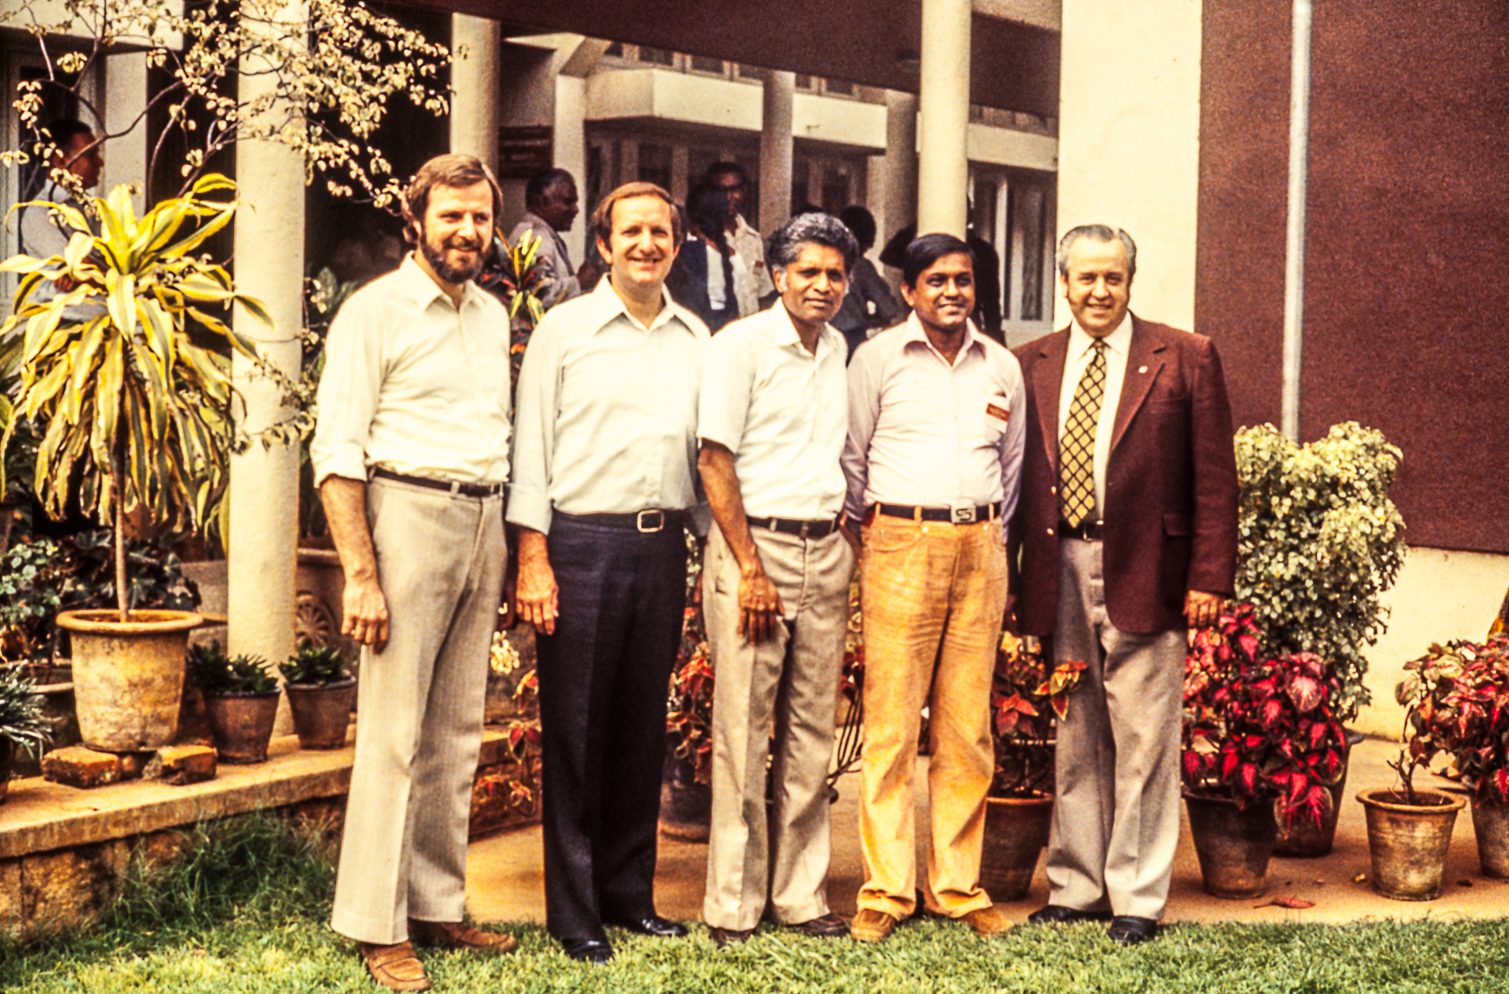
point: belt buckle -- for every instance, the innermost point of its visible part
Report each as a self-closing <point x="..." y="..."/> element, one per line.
<point x="961" y="514"/>
<point x="649" y="521"/>
<point x="806" y="530"/>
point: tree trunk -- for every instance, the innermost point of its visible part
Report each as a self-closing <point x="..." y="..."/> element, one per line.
<point x="118" y="495"/>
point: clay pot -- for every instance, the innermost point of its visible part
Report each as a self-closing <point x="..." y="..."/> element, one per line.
<point x="1234" y="845"/>
<point x="1408" y="842"/>
<point x="1490" y="823"/>
<point x="241" y="725"/>
<point x="7" y="756"/>
<point x="1303" y="838"/>
<point x="1016" y="831"/>
<point x="321" y="712"/>
<point x="128" y="676"/>
<point x="686" y="806"/>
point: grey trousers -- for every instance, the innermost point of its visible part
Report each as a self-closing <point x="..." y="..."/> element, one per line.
<point x="777" y="854"/>
<point x="440" y="560"/>
<point x="1116" y="816"/>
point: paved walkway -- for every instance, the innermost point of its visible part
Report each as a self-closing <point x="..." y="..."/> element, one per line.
<point x="504" y="880"/>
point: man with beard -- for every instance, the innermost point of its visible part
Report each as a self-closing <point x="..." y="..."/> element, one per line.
<point x="604" y="483"/>
<point x="934" y="452"/>
<point x="776" y="585"/>
<point x="410" y="454"/>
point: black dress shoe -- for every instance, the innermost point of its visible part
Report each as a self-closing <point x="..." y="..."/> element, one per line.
<point x="654" y="925"/>
<point x="829" y="926"/>
<point x="588" y="950"/>
<point x="1057" y="914"/>
<point x="1129" y="930"/>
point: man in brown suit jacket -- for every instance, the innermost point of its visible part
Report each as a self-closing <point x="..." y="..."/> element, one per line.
<point x="1127" y="533"/>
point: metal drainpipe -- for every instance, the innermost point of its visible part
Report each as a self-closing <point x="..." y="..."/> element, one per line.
<point x="1294" y="246"/>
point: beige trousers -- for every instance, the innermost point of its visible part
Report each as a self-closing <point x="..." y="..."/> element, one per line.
<point x="1116" y="816"/>
<point x="440" y="561"/>
<point x="778" y="853"/>
<point x="932" y="595"/>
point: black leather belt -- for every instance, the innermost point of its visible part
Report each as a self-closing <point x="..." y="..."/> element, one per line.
<point x="1091" y="529"/>
<point x="648" y="521"/>
<point x="962" y="514"/>
<point x="451" y="487"/>
<point x="792" y="526"/>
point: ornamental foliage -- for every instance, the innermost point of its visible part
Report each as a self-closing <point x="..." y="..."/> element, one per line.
<point x="1259" y="726"/>
<point x="1025" y="698"/>
<point x="1318" y="542"/>
<point x="1456" y="698"/>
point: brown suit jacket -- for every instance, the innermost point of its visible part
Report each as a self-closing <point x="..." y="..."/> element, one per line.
<point x="1171" y="482"/>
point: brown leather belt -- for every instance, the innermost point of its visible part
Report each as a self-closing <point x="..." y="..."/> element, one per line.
<point x="802" y="529"/>
<point x="963" y="514"/>
<point x="451" y="487"/>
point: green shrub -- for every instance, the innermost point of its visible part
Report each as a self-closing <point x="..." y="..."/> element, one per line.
<point x="315" y="665"/>
<point x="219" y="675"/>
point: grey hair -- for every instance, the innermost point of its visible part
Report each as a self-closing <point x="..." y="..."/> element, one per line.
<point x="1101" y="233"/>
<point x="820" y="229"/>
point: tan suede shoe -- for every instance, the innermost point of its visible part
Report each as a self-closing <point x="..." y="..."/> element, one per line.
<point x="988" y="922"/>
<point x="871" y="925"/>
<point x="457" y="935"/>
<point x="394" y="966"/>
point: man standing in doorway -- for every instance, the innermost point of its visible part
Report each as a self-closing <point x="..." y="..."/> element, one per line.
<point x="934" y="450"/>
<point x="410" y="454"/>
<point x="751" y="275"/>
<point x="604" y="485"/>
<point x="1127" y="528"/>
<point x="776" y="585"/>
<point x="551" y="202"/>
<point x="77" y="160"/>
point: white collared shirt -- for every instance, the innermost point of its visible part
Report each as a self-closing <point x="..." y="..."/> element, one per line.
<point x="415" y="384"/>
<point x="781" y="411"/>
<point x="607" y="420"/>
<point x="751" y="280"/>
<point x="924" y="432"/>
<point x="1081" y="352"/>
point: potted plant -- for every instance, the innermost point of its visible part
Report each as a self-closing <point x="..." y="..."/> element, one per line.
<point x="1024" y="700"/>
<point x="241" y="699"/>
<point x="134" y="413"/>
<point x="1318" y="543"/>
<point x="686" y="794"/>
<point x="22" y="723"/>
<point x="321" y="694"/>
<point x="1260" y="736"/>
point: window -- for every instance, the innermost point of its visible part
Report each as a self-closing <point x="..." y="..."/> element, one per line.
<point x="701" y="63"/>
<point x="655" y="163"/>
<point x="658" y="56"/>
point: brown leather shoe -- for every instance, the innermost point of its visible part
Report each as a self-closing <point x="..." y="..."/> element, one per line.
<point x="457" y="935"/>
<point x="871" y="925"/>
<point x="725" y="937"/>
<point x="988" y="922"/>
<point x="394" y="966"/>
<point x="823" y="927"/>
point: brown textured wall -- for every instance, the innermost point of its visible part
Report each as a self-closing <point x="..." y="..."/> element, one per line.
<point x="1406" y="313"/>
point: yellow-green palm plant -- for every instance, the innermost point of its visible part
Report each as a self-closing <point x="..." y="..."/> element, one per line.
<point x="132" y="411"/>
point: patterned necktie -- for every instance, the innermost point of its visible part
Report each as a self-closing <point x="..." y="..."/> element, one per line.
<point x="1076" y="447"/>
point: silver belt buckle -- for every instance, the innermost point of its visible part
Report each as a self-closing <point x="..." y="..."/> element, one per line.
<point x="650" y="521"/>
<point x="961" y="514"/>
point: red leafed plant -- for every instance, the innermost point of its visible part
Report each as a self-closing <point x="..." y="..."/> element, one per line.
<point x="689" y="711"/>
<point x="1024" y="699"/>
<point x="1457" y="720"/>
<point x="1259" y="727"/>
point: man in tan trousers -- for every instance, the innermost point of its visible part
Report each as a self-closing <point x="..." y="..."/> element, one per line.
<point x="934" y="450"/>
<point x="776" y="585"/>
<point x="410" y="453"/>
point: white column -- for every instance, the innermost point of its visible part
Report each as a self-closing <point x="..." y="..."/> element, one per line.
<point x="895" y="207"/>
<point x="943" y="130"/>
<point x="1129" y="141"/>
<point x="570" y="153"/>
<point x="475" y="45"/>
<point x="125" y="96"/>
<point x="775" y="149"/>
<point x="269" y="265"/>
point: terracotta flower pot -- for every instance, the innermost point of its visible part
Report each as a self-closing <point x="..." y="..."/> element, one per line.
<point x="128" y="676"/>
<point x="7" y="755"/>
<point x="1408" y="842"/>
<point x="241" y="725"/>
<point x="1016" y="830"/>
<point x="1234" y="845"/>
<point x="1306" y="840"/>
<point x="686" y="806"/>
<point x="1490" y="823"/>
<point x="321" y="712"/>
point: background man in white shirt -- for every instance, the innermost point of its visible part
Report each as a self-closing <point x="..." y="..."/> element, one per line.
<point x="410" y="454"/>
<point x="751" y="281"/>
<point x="551" y="202"/>
<point x="776" y="585"/>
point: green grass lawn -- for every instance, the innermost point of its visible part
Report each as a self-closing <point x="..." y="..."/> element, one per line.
<point x="245" y="912"/>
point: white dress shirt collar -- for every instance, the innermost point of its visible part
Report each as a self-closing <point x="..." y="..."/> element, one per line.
<point x="783" y="331"/>
<point x="912" y="331"/>
<point x="1118" y="341"/>
<point x="421" y="287"/>
<point x="606" y="305"/>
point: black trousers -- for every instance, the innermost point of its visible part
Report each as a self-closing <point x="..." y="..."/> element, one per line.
<point x="603" y="681"/>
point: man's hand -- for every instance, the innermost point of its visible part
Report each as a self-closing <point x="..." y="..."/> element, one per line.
<point x="1201" y="609"/>
<point x="760" y="607"/>
<point x="364" y="613"/>
<point x="536" y="597"/>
